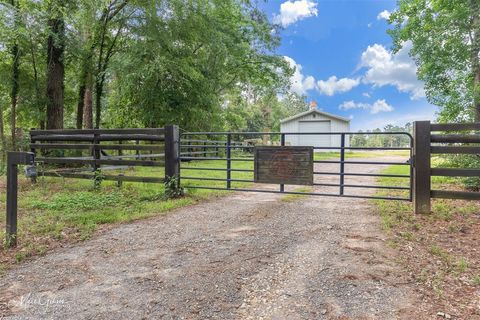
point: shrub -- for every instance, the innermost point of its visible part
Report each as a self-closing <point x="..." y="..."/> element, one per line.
<point x="467" y="161"/>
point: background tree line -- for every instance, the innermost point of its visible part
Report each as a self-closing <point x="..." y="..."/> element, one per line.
<point x="364" y="139"/>
<point x="205" y="65"/>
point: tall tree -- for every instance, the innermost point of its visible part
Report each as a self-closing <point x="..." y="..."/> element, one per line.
<point x="55" y="65"/>
<point x="15" y="72"/>
<point x="106" y="48"/>
<point x="475" y="54"/>
<point x="182" y="57"/>
<point x="3" y="139"/>
<point x="446" y="46"/>
<point x="100" y="28"/>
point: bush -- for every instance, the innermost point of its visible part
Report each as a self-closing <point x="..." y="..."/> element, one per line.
<point x="467" y="161"/>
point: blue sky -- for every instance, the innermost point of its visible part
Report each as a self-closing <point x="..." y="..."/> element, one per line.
<point x="343" y="59"/>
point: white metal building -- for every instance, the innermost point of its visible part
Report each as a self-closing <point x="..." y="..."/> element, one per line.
<point x="315" y="121"/>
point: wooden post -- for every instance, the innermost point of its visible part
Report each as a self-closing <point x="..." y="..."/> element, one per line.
<point x="33" y="179"/>
<point x="12" y="189"/>
<point x="422" y="169"/>
<point x="120" y="151"/>
<point x="13" y="160"/>
<point x="96" y="151"/>
<point x="172" y="148"/>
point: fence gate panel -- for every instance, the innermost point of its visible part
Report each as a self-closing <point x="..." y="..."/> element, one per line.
<point x="264" y="162"/>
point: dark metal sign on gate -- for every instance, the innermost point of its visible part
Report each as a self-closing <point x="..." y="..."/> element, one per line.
<point x="284" y="165"/>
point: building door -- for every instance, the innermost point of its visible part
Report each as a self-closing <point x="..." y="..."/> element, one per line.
<point x="314" y="140"/>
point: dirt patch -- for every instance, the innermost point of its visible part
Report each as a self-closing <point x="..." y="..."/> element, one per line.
<point x="441" y="252"/>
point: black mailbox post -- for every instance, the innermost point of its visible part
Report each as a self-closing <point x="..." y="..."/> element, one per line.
<point x="13" y="160"/>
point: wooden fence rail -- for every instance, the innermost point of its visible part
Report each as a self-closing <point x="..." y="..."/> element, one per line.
<point x="47" y="144"/>
<point x="423" y="149"/>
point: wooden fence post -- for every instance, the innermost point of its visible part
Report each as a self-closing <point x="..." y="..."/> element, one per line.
<point x="422" y="169"/>
<point x="172" y="153"/>
<point x="14" y="158"/>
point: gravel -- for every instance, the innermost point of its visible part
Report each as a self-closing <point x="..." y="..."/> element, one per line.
<point x="243" y="256"/>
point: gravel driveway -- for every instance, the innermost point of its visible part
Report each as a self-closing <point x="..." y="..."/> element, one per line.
<point x="243" y="256"/>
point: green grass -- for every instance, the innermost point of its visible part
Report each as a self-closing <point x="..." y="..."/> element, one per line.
<point x="393" y="213"/>
<point x="210" y="174"/>
<point x="461" y="265"/>
<point x="476" y="280"/>
<point x="295" y="197"/>
<point x="360" y="154"/>
<point x="398" y="212"/>
<point x="441" y="253"/>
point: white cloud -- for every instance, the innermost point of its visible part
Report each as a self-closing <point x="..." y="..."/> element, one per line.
<point x="385" y="14"/>
<point x="366" y="94"/>
<point x="300" y="83"/>
<point x="293" y="11"/>
<point x="386" y="68"/>
<point x="347" y="105"/>
<point x="377" y="107"/>
<point x="334" y="85"/>
<point x="380" y="106"/>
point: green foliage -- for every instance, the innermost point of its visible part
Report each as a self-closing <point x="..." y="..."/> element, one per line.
<point x="186" y="57"/>
<point x="149" y="63"/>
<point x="461" y="265"/>
<point x="383" y="140"/>
<point x="83" y="200"/>
<point x="98" y="177"/>
<point x="466" y="161"/>
<point x="173" y="189"/>
<point x="260" y="112"/>
<point x="445" y="37"/>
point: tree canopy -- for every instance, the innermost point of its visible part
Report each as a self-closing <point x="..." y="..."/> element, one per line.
<point x="446" y="47"/>
<point x="140" y="63"/>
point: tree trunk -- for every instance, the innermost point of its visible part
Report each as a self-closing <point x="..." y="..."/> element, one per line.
<point x="81" y="97"/>
<point x="98" y="102"/>
<point x="15" y="79"/>
<point x="475" y="7"/>
<point x="88" y="108"/>
<point x="14" y="93"/>
<point x="476" y="88"/>
<point x="2" y="137"/>
<point x="39" y="101"/>
<point x="55" y="72"/>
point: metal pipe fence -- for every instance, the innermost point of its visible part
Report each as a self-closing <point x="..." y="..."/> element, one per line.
<point x="241" y="152"/>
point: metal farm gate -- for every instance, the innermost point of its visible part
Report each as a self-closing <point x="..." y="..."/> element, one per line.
<point x="262" y="162"/>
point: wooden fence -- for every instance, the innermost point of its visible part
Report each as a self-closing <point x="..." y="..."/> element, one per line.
<point x="427" y="144"/>
<point x="152" y="147"/>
